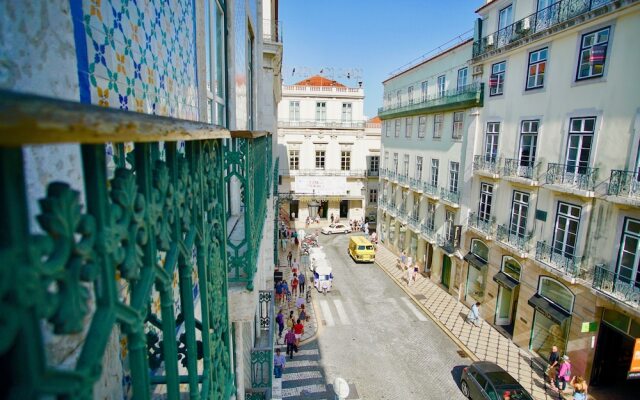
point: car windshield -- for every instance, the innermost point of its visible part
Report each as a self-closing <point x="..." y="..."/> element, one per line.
<point x="513" y="394"/>
<point x="369" y="247"/>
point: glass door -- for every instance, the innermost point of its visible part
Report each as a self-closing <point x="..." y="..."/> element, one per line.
<point x="504" y="306"/>
<point x="629" y="257"/>
<point x="446" y="272"/>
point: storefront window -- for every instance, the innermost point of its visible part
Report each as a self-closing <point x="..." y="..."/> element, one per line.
<point x="547" y="333"/>
<point x="511" y="267"/>
<point x="476" y="282"/>
<point x="556" y="293"/>
<point x="480" y="249"/>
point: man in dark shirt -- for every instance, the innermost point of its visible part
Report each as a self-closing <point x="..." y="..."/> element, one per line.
<point x="554" y="359"/>
<point x="290" y="340"/>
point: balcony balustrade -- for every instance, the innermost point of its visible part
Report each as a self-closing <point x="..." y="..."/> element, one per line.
<point x="359" y="173"/>
<point x="451" y="197"/>
<point x="403" y="179"/>
<point x="262" y="351"/>
<point x="555" y="14"/>
<point x="429" y="189"/>
<point x="446" y="243"/>
<point x="624" y="184"/>
<point x="621" y="288"/>
<point x="415" y="184"/>
<point x="484" y="225"/>
<point x="372" y="172"/>
<point x="392" y="175"/>
<point x="414" y="221"/>
<point x="144" y="236"/>
<point x="520" y="169"/>
<point x="272" y="31"/>
<point x="511" y="239"/>
<point x="489" y="165"/>
<point x="468" y="96"/>
<point x="428" y="232"/>
<point x="324" y="90"/>
<point x="321" y="123"/>
<point x="567" y="264"/>
<point x="572" y="176"/>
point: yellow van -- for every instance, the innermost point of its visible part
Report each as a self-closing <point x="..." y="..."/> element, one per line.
<point x="360" y="249"/>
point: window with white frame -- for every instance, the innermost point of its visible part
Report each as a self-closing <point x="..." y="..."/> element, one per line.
<point x="320" y="155"/>
<point x="462" y="78"/>
<point x="454" y="171"/>
<point x="405" y="166"/>
<point x="629" y="255"/>
<point x="397" y="127"/>
<point x="536" y="69"/>
<point x="458" y="124"/>
<point x="418" y="172"/>
<point x="486" y="198"/>
<point x="373" y="195"/>
<point x="519" y="213"/>
<point x="528" y="144"/>
<point x="431" y="216"/>
<point x="565" y="238"/>
<point x="449" y="228"/>
<point x="437" y="125"/>
<point x="408" y="127"/>
<point x="422" y="126"/>
<point x="374" y="163"/>
<point x="346" y="112"/>
<point x="491" y="142"/>
<point x="496" y="80"/>
<point x="321" y="111"/>
<point x="399" y="98"/>
<point x="215" y="40"/>
<point x="410" y="94"/>
<point x="294" y="111"/>
<point x="579" y="145"/>
<point x="345" y="160"/>
<point x="294" y="159"/>
<point x="435" y="170"/>
<point x="441" y="85"/>
<point x="423" y="90"/>
<point x="389" y="103"/>
<point x="395" y="163"/>
<point x="593" y="54"/>
<point x="387" y="128"/>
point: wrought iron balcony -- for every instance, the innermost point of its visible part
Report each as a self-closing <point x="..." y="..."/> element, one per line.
<point x="572" y="176"/>
<point x="555" y="14"/>
<point x="483" y="225"/>
<point x="262" y="351"/>
<point x="371" y="172"/>
<point x="143" y="237"/>
<point x="565" y="263"/>
<point x="451" y="197"/>
<point x="392" y="175"/>
<point x="392" y="209"/>
<point x="428" y="232"/>
<point x="520" y="169"/>
<point x="272" y="31"/>
<point x="402" y="179"/>
<point x="622" y="288"/>
<point x="468" y="96"/>
<point x="361" y="173"/>
<point x="624" y="184"/>
<point x="512" y="239"/>
<point x="402" y="210"/>
<point x="430" y="189"/>
<point x="382" y="203"/>
<point x="486" y="164"/>
<point x="415" y="184"/>
<point x="321" y="123"/>
<point x="414" y="221"/>
<point x="446" y="243"/>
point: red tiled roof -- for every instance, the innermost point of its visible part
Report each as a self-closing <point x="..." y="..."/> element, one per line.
<point x="318" y="80"/>
<point x="375" y="120"/>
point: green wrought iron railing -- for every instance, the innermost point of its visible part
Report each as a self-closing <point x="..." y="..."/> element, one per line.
<point x="248" y="161"/>
<point x="486" y="163"/>
<point x="572" y="176"/>
<point x="141" y="255"/>
<point x="484" y="224"/>
<point x="514" y="239"/>
<point x="262" y="352"/>
<point x="623" y="287"/>
<point x="557" y="259"/>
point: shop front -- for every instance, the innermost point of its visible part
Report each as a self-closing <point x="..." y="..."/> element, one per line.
<point x="477" y="259"/>
<point x="553" y="306"/>
<point x="508" y="280"/>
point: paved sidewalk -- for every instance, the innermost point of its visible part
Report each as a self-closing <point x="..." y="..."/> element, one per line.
<point x="480" y="343"/>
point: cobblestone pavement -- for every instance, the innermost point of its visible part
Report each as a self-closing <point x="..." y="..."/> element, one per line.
<point x="371" y="334"/>
<point x="483" y="342"/>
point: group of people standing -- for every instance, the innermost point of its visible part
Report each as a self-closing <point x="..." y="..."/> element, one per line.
<point x="409" y="266"/>
<point x="559" y="373"/>
<point x="287" y="236"/>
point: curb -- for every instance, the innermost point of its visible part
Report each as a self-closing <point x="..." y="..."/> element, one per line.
<point x="442" y="327"/>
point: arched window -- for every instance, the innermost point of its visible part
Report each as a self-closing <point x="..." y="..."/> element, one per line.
<point x="556" y="293"/>
<point x="511" y="267"/>
<point x="480" y="250"/>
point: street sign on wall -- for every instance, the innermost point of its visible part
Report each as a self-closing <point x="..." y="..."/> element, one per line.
<point x="321" y="185"/>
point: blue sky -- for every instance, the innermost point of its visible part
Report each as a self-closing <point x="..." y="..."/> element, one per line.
<point x="375" y="36"/>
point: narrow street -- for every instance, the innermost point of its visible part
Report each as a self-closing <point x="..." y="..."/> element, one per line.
<point x="372" y="335"/>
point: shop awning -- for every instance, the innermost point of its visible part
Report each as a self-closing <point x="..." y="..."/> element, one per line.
<point x="549" y="309"/>
<point x="475" y="260"/>
<point x="505" y="280"/>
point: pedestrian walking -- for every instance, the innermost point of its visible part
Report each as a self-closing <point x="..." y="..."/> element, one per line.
<point x="301" y="281"/>
<point x="289" y="258"/>
<point x="474" y="314"/>
<point x="415" y="272"/>
<point x="403" y="259"/>
<point x="564" y="375"/>
<point x="409" y="272"/>
<point x="279" y="292"/>
<point x="552" y="368"/>
<point x="303" y="314"/>
<point x="332" y="218"/>
<point x="295" y="266"/>
<point x="298" y="329"/>
<point x="579" y="388"/>
<point x="280" y="321"/>
<point x="294" y="285"/>
<point x="290" y="340"/>
<point x="279" y="361"/>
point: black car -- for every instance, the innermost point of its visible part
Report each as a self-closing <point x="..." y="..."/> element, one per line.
<point x="486" y="380"/>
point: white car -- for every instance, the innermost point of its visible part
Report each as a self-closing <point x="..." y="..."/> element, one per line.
<point x="336" y="228"/>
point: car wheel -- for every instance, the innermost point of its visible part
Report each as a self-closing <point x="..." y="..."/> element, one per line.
<point x="465" y="389"/>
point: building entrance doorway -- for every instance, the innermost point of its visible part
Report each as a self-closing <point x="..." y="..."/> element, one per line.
<point x="428" y="255"/>
<point x="506" y="308"/>
<point x="324" y="208"/>
<point x="293" y="209"/>
<point x="344" y="209"/>
<point x="446" y="271"/>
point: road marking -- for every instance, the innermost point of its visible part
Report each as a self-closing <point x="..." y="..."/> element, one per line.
<point x="341" y="312"/>
<point x="326" y="313"/>
<point x="355" y="311"/>
<point x="398" y="308"/>
<point x="413" y="309"/>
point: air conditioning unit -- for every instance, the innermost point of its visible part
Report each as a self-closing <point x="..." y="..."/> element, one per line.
<point x="489" y="41"/>
<point x="477" y="70"/>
